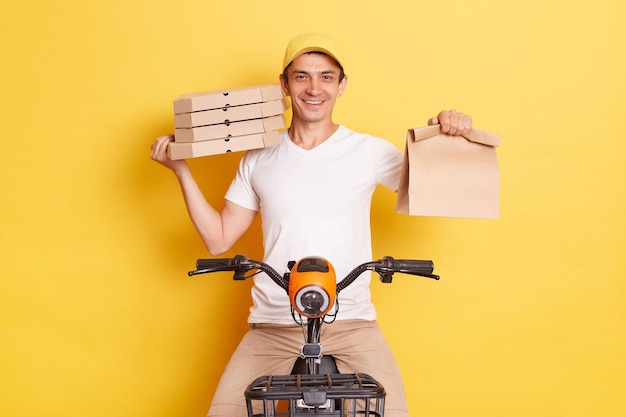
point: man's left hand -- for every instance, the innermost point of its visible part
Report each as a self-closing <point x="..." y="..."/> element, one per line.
<point x="452" y="122"/>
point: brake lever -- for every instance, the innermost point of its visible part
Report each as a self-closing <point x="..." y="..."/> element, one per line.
<point x="203" y="271"/>
<point x="420" y="274"/>
<point x="386" y="275"/>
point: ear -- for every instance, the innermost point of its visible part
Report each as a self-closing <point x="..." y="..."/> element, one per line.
<point x="342" y="86"/>
<point x="284" y="85"/>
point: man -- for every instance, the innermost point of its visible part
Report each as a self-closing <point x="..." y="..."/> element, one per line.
<point x="314" y="192"/>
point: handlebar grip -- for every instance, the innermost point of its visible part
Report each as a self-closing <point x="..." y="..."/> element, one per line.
<point x="216" y="263"/>
<point x="410" y="266"/>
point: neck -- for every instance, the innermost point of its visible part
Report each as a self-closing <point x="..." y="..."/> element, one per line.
<point x="310" y="135"/>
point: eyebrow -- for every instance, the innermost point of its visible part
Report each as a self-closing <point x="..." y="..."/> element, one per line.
<point x="323" y="72"/>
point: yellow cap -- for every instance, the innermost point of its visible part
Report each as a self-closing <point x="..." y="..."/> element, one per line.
<point x="312" y="42"/>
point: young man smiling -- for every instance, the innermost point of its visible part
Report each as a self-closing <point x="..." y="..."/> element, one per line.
<point x="314" y="193"/>
<point x="313" y="81"/>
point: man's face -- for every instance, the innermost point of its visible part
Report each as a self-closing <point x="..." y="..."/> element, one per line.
<point x="313" y="85"/>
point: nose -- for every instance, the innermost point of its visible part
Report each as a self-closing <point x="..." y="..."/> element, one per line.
<point x="314" y="86"/>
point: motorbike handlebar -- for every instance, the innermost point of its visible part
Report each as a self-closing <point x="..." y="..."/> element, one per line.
<point x="239" y="265"/>
<point x="221" y="264"/>
<point x="388" y="266"/>
<point x="385" y="268"/>
<point x="411" y="266"/>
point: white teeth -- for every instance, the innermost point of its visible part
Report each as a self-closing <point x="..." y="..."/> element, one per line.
<point x="312" y="102"/>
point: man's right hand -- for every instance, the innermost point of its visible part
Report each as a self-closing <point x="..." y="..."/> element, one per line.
<point x="159" y="153"/>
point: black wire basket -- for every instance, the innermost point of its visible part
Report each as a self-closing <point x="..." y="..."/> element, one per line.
<point x="349" y="395"/>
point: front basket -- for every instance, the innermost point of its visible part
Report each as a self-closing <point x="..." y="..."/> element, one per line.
<point x="349" y="395"/>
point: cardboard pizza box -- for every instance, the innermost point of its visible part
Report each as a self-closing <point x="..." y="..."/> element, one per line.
<point x="217" y="99"/>
<point x="178" y="150"/>
<point x="227" y="130"/>
<point x="229" y="114"/>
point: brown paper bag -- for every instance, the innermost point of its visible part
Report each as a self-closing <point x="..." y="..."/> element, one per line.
<point x="450" y="176"/>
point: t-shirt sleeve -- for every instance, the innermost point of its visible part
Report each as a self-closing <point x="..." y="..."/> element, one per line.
<point x="241" y="190"/>
<point x="388" y="164"/>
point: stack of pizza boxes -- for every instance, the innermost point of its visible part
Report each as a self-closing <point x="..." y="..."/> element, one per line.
<point x="221" y="121"/>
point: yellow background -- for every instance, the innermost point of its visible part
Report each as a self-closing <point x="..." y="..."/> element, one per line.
<point x="98" y="317"/>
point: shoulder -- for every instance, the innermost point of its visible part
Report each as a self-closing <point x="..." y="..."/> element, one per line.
<point x="374" y="143"/>
<point x="253" y="156"/>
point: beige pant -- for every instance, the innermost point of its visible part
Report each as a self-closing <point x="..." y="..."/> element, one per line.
<point x="271" y="349"/>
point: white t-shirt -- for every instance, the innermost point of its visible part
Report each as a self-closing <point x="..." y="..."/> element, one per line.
<point x="315" y="203"/>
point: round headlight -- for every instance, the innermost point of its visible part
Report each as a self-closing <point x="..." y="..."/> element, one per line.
<point x="312" y="301"/>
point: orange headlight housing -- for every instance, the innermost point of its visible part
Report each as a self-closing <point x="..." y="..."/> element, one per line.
<point x="312" y="287"/>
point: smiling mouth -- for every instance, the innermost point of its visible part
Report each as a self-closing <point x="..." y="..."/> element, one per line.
<point x="313" y="102"/>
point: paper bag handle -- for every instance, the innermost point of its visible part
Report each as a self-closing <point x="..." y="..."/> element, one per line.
<point x="474" y="135"/>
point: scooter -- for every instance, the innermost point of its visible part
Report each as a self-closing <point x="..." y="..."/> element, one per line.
<point x="315" y="386"/>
